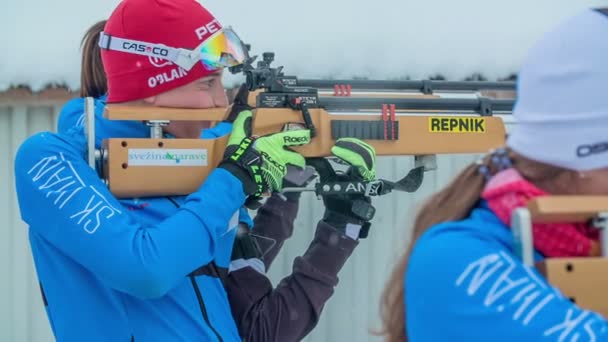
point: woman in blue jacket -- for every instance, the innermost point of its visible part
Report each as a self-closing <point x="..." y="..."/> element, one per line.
<point x="262" y="312"/>
<point x="147" y="269"/>
<point x="460" y="280"/>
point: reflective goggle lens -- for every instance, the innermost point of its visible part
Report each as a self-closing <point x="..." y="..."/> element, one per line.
<point x="222" y="50"/>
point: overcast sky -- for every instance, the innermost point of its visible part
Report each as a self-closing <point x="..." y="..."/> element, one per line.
<point x="311" y="38"/>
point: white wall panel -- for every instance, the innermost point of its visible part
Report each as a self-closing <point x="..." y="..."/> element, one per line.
<point x="348" y="316"/>
<point x="6" y="228"/>
<point x="22" y="315"/>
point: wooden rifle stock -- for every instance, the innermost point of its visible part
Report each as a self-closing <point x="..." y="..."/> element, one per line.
<point x="407" y="134"/>
<point x="581" y="279"/>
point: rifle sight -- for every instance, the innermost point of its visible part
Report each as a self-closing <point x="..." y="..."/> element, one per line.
<point x="260" y="76"/>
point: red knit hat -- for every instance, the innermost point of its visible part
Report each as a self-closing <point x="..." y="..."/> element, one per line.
<point x="175" y="23"/>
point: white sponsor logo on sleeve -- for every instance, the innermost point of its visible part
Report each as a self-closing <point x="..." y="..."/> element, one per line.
<point x="60" y="182"/>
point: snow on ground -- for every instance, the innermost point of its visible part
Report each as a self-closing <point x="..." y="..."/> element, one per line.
<point x="311" y="38"/>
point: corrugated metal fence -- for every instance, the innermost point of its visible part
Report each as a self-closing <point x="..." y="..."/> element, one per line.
<point x="22" y="316"/>
<point x="350" y="313"/>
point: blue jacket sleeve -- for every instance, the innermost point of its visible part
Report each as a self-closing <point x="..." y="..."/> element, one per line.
<point x="65" y="202"/>
<point x="219" y="130"/>
<point x="460" y="286"/>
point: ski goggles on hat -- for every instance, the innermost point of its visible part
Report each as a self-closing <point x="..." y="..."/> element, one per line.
<point x="223" y="49"/>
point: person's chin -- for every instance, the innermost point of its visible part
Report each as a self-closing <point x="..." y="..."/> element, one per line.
<point x="205" y="124"/>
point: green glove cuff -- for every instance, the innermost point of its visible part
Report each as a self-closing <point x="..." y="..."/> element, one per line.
<point x="245" y="163"/>
<point x="241" y="128"/>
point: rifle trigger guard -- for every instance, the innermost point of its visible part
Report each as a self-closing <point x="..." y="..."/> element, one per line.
<point x="298" y="104"/>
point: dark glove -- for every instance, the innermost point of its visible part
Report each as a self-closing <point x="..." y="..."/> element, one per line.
<point x="342" y="210"/>
<point x="239" y="104"/>
<point x="245" y="246"/>
<point x="261" y="163"/>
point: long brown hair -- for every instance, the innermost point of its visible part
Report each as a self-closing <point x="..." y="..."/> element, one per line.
<point x="92" y="75"/>
<point x="456" y="201"/>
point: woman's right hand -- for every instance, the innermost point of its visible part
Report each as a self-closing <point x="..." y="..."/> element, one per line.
<point x="261" y="162"/>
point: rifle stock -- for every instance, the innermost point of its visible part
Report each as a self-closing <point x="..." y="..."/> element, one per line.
<point x="415" y="137"/>
<point x="581" y="279"/>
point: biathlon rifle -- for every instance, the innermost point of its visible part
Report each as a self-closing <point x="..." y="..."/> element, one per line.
<point x="581" y="279"/>
<point x="417" y="118"/>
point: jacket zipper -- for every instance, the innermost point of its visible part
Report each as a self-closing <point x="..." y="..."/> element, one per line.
<point x="199" y="297"/>
<point x="201" y="304"/>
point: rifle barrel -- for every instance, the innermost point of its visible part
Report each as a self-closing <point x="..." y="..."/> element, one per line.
<point x="483" y="106"/>
<point x="420" y="85"/>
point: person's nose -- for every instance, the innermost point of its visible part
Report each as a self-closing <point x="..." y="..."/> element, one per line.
<point x="220" y="99"/>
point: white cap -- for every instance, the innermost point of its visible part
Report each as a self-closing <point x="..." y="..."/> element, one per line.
<point x="561" y="112"/>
